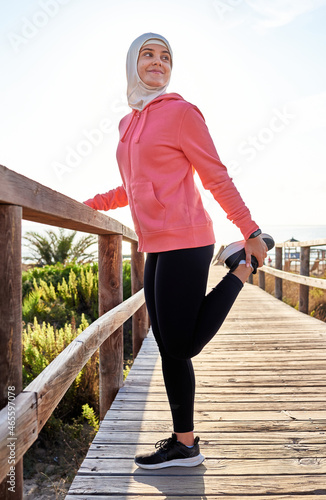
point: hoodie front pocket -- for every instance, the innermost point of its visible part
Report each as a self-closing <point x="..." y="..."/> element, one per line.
<point x="149" y="211"/>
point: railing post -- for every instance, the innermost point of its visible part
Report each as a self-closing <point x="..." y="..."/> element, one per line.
<point x="139" y="319"/>
<point x="11" y="334"/>
<point x="304" y="271"/>
<point x="278" y="265"/>
<point x="110" y="295"/>
<point x="261" y="279"/>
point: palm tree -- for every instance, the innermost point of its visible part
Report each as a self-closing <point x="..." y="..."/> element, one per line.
<point x="52" y="248"/>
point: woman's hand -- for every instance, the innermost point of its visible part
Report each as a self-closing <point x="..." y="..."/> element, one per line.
<point x="258" y="248"/>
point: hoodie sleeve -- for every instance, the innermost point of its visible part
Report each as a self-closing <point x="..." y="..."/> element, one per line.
<point x="112" y="199"/>
<point x="197" y="144"/>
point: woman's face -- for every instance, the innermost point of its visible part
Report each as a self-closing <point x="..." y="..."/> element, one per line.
<point x="154" y="65"/>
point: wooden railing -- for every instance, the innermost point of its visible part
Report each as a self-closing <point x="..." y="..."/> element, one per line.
<point x="305" y="281"/>
<point x="24" y="412"/>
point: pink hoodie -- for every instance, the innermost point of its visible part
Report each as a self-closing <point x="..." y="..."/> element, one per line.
<point x="158" y="151"/>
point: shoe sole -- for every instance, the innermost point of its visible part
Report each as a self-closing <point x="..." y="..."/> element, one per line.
<point x="239" y="245"/>
<point x="179" y="462"/>
<point x="230" y="250"/>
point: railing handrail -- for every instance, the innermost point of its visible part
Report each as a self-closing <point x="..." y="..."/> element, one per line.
<point x="39" y="399"/>
<point x="303" y="279"/>
<point x="295" y="278"/>
<point x="23" y="198"/>
<point x="308" y="243"/>
<point x="42" y="204"/>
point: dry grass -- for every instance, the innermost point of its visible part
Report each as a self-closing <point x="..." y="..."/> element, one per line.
<point x="317" y="297"/>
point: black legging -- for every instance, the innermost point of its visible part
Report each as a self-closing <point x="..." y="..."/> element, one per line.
<point x="184" y="318"/>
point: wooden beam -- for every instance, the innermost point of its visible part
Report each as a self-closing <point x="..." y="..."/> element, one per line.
<point x="278" y="281"/>
<point x="304" y="271"/>
<point x="261" y="279"/>
<point x="11" y="382"/>
<point x="139" y="319"/>
<point x="42" y="204"/>
<point x="110" y="295"/>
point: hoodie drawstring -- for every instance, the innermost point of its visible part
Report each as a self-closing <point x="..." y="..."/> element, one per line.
<point x="145" y="112"/>
<point x="143" y="116"/>
<point x="129" y="125"/>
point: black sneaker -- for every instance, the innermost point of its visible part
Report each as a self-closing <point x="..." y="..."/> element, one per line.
<point x="234" y="253"/>
<point x="171" y="453"/>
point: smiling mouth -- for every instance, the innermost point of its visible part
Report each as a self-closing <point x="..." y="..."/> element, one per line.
<point x="156" y="72"/>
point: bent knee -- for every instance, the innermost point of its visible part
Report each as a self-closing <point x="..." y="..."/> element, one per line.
<point x="181" y="352"/>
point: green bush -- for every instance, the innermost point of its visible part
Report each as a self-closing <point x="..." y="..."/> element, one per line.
<point x="41" y="345"/>
<point x="53" y="274"/>
<point x="58" y="303"/>
<point x="59" y="295"/>
<point x="126" y="279"/>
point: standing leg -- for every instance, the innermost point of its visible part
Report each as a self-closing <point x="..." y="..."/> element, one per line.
<point x="184" y="319"/>
<point x="178" y="375"/>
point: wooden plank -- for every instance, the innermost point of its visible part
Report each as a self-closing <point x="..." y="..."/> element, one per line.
<point x="277" y="380"/>
<point x="225" y="466"/>
<point x="153" y="414"/>
<point x="296" y="496"/>
<point x="305" y="365"/>
<point x="221" y="451"/>
<point x="278" y="336"/>
<point x="161" y="482"/>
<point x="267" y="356"/>
<point x="213" y="407"/>
<point x="269" y="391"/>
<point x="225" y="399"/>
<point x="205" y="370"/>
<point x="42" y="204"/>
<point x="218" y="432"/>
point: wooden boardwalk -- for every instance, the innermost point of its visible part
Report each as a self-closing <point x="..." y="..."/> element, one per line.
<point x="260" y="413"/>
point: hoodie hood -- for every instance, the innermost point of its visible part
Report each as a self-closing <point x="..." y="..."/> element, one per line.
<point x="138" y="93"/>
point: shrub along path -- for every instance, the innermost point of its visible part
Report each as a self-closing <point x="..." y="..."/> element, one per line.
<point x="260" y="414"/>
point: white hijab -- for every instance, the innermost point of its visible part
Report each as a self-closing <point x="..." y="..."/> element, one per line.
<point x="138" y="93"/>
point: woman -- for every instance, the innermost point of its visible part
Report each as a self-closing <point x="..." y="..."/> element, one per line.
<point x="162" y="141"/>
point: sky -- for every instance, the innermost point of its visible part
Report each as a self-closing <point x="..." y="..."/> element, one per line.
<point x="255" y="68"/>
